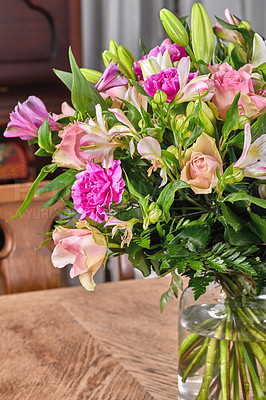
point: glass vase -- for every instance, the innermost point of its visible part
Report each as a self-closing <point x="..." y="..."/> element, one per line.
<point x="222" y="344"/>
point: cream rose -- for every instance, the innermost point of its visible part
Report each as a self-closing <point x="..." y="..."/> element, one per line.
<point x="201" y="161"/>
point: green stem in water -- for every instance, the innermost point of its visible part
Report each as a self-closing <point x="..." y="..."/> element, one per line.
<point x="259" y="354"/>
<point x="242" y="371"/>
<point x="208" y="372"/>
<point x="196" y="359"/>
<point x="235" y="375"/>
<point x="252" y="372"/>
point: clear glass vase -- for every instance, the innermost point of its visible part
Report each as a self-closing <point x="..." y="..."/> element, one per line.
<point x="222" y="344"/>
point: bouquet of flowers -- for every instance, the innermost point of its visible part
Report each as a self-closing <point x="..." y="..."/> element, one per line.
<point x="163" y="158"/>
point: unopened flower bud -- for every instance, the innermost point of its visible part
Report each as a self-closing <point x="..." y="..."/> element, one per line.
<point x="179" y="120"/>
<point x="160" y="97"/>
<point x="154" y="212"/>
<point x="238" y="174"/>
<point x="202" y="36"/>
<point x="241" y="122"/>
<point x="190" y="108"/>
<point x="262" y="191"/>
<point x="173" y="149"/>
<point x="245" y="24"/>
<point x="174" y="28"/>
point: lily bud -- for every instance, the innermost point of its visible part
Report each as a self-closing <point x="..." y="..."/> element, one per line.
<point x="127" y="59"/>
<point x="201" y="33"/>
<point x="113" y="47"/>
<point x="174" y="28"/>
<point x="241" y="122"/>
<point x="154" y="212"/>
<point x="160" y="97"/>
<point x="107" y="56"/>
<point x="173" y="150"/>
<point x="245" y="24"/>
<point x="91" y="75"/>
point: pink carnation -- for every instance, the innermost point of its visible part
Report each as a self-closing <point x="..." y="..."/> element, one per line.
<point x="96" y="188"/>
<point x="167" y="80"/>
<point x="176" y="53"/>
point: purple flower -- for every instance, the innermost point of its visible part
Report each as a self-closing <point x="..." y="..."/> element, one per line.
<point x="176" y="53"/>
<point x="27" y="118"/>
<point x="96" y="188"/>
<point x="111" y="77"/>
<point x="167" y="80"/>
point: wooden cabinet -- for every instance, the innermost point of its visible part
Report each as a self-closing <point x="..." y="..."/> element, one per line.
<point x="34" y="38"/>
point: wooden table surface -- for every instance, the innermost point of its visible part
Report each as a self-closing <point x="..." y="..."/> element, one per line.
<point x="67" y="343"/>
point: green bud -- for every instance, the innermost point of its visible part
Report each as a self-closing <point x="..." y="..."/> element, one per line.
<point x="190" y="108"/>
<point x="160" y="97"/>
<point x="209" y="112"/>
<point x="154" y="212"/>
<point x="107" y="56"/>
<point x="113" y="47"/>
<point x="153" y="104"/>
<point x="238" y="174"/>
<point x="208" y="126"/>
<point x="173" y="150"/>
<point x="244" y="24"/>
<point x="141" y="124"/>
<point x="179" y="120"/>
<point x="242" y="120"/>
<point x="127" y="59"/>
<point x="146" y="222"/>
<point x="202" y="36"/>
<point x="91" y="75"/>
<point x="174" y="28"/>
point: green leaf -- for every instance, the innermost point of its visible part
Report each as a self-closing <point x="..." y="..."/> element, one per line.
<point x="65" y="77"/>
<point x="243" y="237"/>
<point x="199" y="285"/>
<point x="231" y="218"/>
<point x="238" y="196"/>
<point x="139" y="88"/>
<point x="42" y="153"/>
<point x="65" y="179"/>
<point x="45" y="137"/>
<point x="166" y="296"/>
<point x="167" y="197"/>
<point x="237" y="60"/>
<point x="231" y="117"/>
<point x="82" y="92"/>
<point x="196" y="233"/>
<point x="196" y="126"/>
<point x="144" y="49"/>
<point x="44" y="171"/>
<point x="258" y="226"/>
<point x="61" y="193"/>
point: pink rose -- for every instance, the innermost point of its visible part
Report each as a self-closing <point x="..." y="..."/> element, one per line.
<point x="68" y="153"/>
<point x="227" y="83"/>
<point x="97" y="188"/>
<point x="201" y="161"/>
<point x="84" y="248"/>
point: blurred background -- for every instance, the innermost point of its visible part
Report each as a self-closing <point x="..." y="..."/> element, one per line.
<point x="34" y="38"/>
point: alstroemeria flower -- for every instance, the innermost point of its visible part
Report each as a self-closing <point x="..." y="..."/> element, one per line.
<point x="201" y="161"/>
<point x="157" y="60"/>
<point x="121" y="225"/>
<point x="96" y="188"/>
<point x="111" y="77"/>
<point x="150" y="149"/>
<point x="27" y="118"/>
<point x="84" y="247"/>
<point x="259" y="51"/>
<point x="228" y="34"/>
<point x="253" y="157"/>
<point x="134" y="97"/>
<point x="67" y="111"/>
<point x="99" y="143"/>
<point x="68" y="153"/>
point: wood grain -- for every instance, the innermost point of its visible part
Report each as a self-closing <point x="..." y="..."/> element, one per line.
<point x="70" y="344"/>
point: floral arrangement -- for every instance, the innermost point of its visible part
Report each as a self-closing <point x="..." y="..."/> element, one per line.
<point x="163" y="158"/>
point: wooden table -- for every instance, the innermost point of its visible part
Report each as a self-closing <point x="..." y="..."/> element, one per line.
<point x="67" y="343"/>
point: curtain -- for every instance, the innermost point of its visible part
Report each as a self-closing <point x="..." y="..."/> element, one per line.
<point x="125" y="21"/>
<point x="253" y="11"/>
